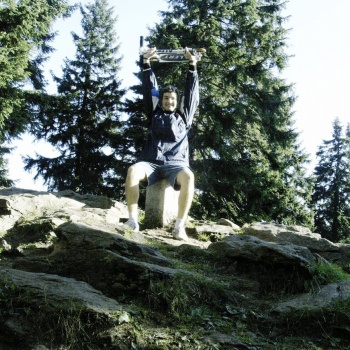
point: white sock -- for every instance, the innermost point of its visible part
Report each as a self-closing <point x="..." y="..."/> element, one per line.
<point x="133" y="217"/>
<point x="180" y="223"/>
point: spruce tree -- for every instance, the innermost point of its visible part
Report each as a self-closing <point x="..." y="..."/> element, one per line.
<point x="25" y="35"/>
<point x="331" y="192"/>
<point x="82" y="120"/>
<point x="245" y="151"/>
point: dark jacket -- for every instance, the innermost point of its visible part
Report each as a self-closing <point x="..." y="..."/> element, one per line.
<point x="167" y="138"/>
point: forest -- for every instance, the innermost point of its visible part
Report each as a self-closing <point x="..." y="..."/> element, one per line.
<point x="243" y="129"/>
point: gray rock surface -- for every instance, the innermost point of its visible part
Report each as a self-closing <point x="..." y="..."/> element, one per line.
<point x="65" y="250"/>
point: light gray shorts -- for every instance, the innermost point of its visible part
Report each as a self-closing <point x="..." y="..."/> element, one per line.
<point x="156" y="172"/>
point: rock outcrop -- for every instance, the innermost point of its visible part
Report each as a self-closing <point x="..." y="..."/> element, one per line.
<point x="73" y="277"/>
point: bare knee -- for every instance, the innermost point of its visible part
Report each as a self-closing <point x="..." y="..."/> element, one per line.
<point x="135" y="174"/>
<point x="185" y="178"/>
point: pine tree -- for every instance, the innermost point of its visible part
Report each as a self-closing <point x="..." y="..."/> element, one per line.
<point x="82" y="121"/>
<point x="246" y="156"/>
<point x="24" y="27"/>
<point x="332" y="186"/>
<point x="25" y="34"/>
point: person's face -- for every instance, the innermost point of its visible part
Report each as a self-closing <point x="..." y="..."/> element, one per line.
<point x="169" y="101"/>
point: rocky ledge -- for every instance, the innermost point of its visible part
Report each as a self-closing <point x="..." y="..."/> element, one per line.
<point x="72" y="277"/>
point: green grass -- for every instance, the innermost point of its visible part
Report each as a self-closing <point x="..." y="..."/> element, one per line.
<point x="325" y="273"/>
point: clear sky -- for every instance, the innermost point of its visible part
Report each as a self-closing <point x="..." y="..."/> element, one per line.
<point x="319" y="69"/>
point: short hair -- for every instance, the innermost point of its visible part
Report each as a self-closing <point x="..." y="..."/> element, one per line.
<point x="169" y="88"/>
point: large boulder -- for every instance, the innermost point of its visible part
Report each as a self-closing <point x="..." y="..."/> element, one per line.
<point x="299" y="236"/>
<point x="18" y="203"/>
<point x="55" y="292"/>
<point x="249" y="248"/>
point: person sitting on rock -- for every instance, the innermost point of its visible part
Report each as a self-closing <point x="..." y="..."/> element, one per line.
<point x="166" y="151"/>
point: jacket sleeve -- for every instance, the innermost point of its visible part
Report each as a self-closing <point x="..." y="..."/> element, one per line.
<point x="190" y="99"/>
<point x="149" y="90"/>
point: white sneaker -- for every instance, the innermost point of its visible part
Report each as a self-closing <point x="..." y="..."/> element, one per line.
<point x="131" y="224"/>
<point x="180" y="233"/>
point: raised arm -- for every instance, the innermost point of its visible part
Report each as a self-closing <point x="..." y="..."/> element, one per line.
<point x="149" y="84"/>
<point x="191" y="91"/>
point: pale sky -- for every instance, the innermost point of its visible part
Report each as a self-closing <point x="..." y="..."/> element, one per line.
<point x="319" y="70"/>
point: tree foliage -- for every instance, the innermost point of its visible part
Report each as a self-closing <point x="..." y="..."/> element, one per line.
<point x="24" y="27"/>
<point x="245" y="151"/>
<point x="331" y="192"/>
<point x="82" y="120"/>
<point x="25" y="33"/>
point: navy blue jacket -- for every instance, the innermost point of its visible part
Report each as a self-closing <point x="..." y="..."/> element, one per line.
<point x="167" y="138"/>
